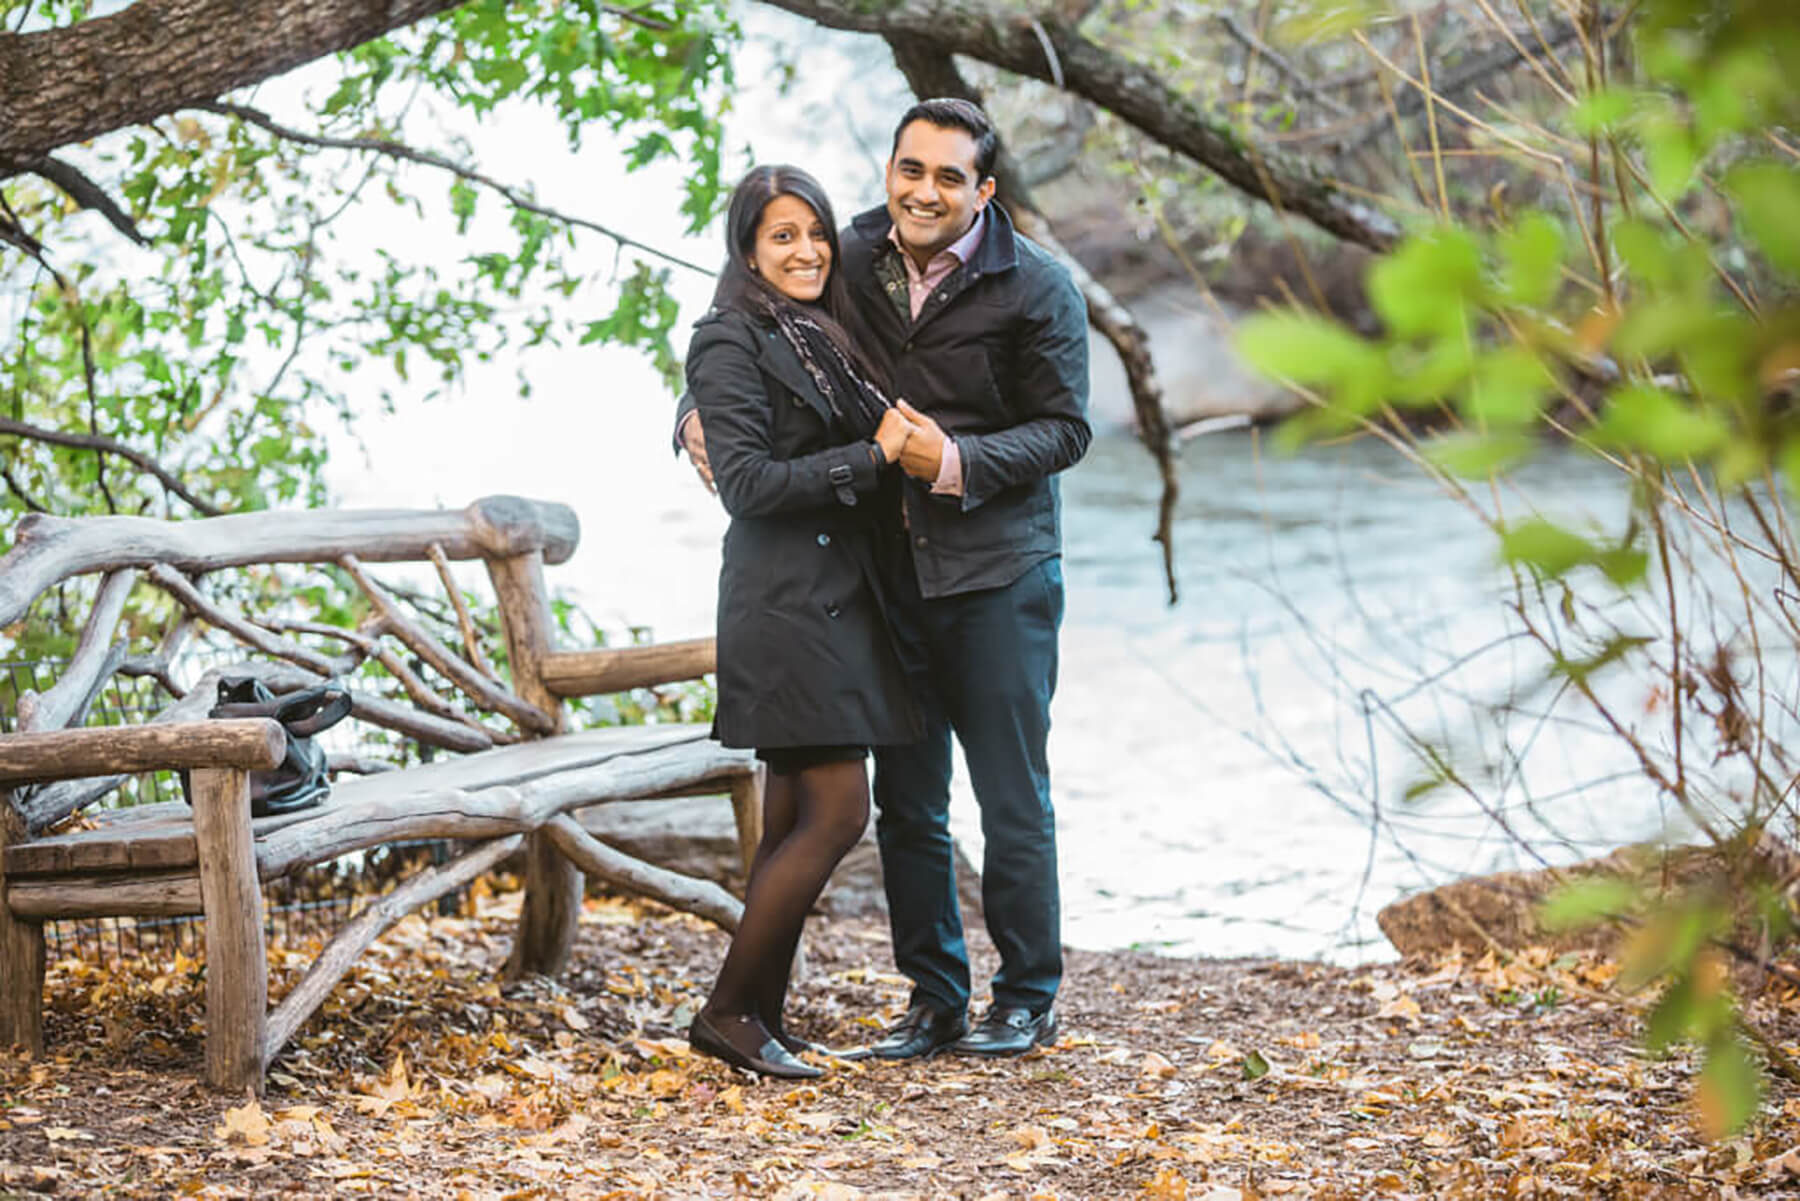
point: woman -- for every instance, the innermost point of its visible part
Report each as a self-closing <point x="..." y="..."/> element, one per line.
<point x="800" y="437"/>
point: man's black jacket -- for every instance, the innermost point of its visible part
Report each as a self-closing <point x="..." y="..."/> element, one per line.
<point x="998" y="357"/>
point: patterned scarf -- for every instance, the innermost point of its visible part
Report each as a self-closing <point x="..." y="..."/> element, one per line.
<point x="854" y="399"/>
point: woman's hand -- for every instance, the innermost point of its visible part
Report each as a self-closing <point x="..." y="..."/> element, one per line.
<point x="892" y="434"/>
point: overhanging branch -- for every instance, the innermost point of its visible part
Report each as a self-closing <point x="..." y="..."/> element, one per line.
<point x="1044" y="46"/>
<point x="111" y="446"/>
<point x="400" y="150"/>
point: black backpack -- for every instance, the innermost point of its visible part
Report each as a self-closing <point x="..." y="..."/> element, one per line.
<point x="298" y="781"/>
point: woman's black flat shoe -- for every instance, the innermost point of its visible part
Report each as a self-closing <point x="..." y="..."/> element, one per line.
<point x="771" y="1059"/>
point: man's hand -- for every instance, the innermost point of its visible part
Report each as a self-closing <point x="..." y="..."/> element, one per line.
<point x="693" y="439"/>
<point x="923" y="455"/>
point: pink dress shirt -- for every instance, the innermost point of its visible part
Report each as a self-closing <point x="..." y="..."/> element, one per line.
<point x="919" y="284"/>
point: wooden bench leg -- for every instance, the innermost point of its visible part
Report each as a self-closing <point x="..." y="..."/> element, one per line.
<point x="747" y="808"/>
<point x="21" y="958"/>
<point x="551" y="909"/>
<point x="237" y="964"/>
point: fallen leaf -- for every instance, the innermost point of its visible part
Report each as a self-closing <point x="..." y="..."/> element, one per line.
<point x="1157" y="1066"/>
<point x="66" y="1134"/>
<point x="246" y="1123"/>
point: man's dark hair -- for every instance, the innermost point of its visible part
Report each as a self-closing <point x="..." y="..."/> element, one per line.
<point x="949" y="113"/>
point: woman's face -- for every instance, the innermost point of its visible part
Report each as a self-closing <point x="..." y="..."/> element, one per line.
<point x="791" y="251"/>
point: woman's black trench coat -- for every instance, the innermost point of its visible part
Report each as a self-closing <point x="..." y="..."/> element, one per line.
<point x="805" y="654"/>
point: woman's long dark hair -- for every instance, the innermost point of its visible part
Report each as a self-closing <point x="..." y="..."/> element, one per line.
<point x="746" y="291"/>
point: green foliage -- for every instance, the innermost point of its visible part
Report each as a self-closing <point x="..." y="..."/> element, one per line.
<point x="248" y="316"/>
<point x="1587" y="900"/>
<point x="1649" y="317"/>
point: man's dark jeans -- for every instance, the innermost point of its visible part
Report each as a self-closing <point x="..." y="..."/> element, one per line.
<point x="984" y="664"/>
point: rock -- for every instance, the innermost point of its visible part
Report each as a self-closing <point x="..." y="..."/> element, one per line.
<point x="696" y="836"/>
<point x="1503" y="906"/>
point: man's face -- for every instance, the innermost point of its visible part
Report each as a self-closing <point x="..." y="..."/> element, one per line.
<point x="933" y="190"/>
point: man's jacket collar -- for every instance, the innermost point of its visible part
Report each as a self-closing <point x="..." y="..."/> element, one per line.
<point x="997" y="251"/>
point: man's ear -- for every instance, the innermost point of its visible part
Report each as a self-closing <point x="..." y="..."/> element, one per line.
<point x="984" y="193"/>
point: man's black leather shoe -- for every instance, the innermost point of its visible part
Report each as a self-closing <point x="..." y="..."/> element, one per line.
<point x="1008" y="1031"/>
<point x="923" y="1032"/>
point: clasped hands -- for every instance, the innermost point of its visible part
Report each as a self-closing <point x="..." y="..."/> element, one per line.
<point x="913" y="440"/>
<point x="905" y="435"/>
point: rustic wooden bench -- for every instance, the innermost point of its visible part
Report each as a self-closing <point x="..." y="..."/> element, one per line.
<point x="512" y="788"/>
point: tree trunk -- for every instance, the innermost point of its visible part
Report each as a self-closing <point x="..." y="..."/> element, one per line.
<point x="72" y="83"/>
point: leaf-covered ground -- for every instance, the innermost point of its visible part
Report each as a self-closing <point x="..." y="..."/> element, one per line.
<point x="1173" y="1078"/>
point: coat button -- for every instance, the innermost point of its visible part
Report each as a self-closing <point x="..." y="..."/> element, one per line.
<point x="920" y="540"/>
<point x="832" y="610"/>
<point x="824" y="539"/>
<point x="795" y="397"/>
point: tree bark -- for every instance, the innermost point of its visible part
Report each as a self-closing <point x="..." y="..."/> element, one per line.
<point x="615" y="669"/>
<point x="1042" y="45"/>
<point x="355" y="936"/>
<point x="73" y="83"/>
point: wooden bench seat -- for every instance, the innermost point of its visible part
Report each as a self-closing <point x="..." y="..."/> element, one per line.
<point x="432" y="800"/>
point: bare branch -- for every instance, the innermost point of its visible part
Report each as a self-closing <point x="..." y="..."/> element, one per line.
<point x="399" y="150"/>
<point x="95" y="659"/>
<point x="471" y="643"/>
<point x="1010" y="39"/>
<point x="480" y="689"/>
<point x="1274" y="58"/>
<point x="183" y="590"/>
<point x="102" y="444"/>
<point x="84" y="192"/>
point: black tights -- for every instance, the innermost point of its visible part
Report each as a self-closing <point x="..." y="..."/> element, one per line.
<point x="810" y="820"/>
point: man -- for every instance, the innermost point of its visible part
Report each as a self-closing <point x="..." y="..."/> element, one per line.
<point x="987" y="336"/>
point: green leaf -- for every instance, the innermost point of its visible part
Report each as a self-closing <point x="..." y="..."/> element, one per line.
<point x="1531" y="254"/>
<point x="1730" y="1089"/>
<point x="1672" y="1017"/>
<point x="1305" y="348"/>
<point x="1645" y="250"/>
<point x="1671" y="152"/>
<point x="1586" y="900"/>
<point x="1427" y="284"/>
<point x="1768" y="203"/>
<point x="1660" y="424"/>
<point x="1508" y="387"/>
<point x="1477" y="456"/>
<point x="1546" y="546"/>
<point x="1255" y="1066"/>
<point x="1599" y="110"/>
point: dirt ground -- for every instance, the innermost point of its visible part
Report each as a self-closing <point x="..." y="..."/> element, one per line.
<point x="1172" y="1078"/>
